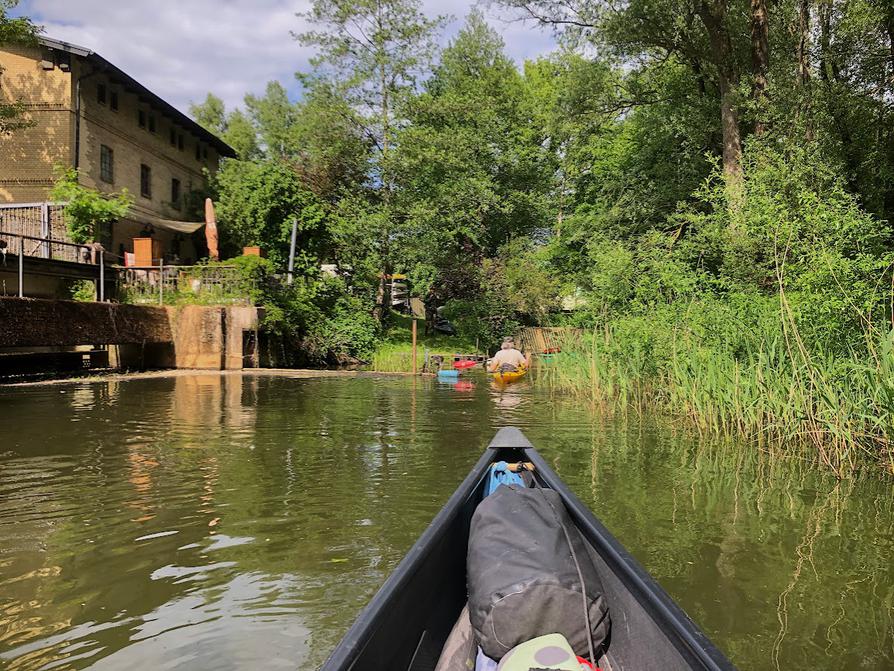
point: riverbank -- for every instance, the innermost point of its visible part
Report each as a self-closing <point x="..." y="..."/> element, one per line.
<point x="836" y="410"/>
<point x="395" y="352"/>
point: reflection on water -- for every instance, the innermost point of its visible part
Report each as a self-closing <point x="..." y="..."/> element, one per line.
<point x="230" y="522"/>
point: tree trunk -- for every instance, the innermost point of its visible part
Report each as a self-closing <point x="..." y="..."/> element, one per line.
<point x="804" y="66"/>
<point x="700" y="76"/>
<point x="713" y="17"/>
<point x="888" y="212"/>
<point x="890" y="27"/>
<point x="825" y="63"/>
<point x="760" y="59"/>
<point x="803" y="42"/>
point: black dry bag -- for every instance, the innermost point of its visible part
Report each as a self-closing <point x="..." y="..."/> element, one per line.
<point x="523" y="581"/>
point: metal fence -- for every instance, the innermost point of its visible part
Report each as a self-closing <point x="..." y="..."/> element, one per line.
<point x="173" y="285"/>
<point x="43" y="224"/>
<point x="17" y="246"/>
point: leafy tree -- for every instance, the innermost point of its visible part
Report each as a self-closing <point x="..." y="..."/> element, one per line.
<point x="210" y="114"/>
<point x="258" y="201"/>
<point x="470" y="166"/>
<point x="370" y="52"/>
<point x="234" y="128"/>
<point x="273" y="115"/>
<point x="86" y="210"/>
<point x="696" y="33"/>
<point x="332" y="154"/>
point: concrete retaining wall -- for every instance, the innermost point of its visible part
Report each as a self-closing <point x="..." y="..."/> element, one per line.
<point x="194" y="336"/>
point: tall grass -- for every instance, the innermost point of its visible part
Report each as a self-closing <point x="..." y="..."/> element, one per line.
<point x="395" y="353"/>
<point x="394" y="358"/>
<point x="839" y="409"/>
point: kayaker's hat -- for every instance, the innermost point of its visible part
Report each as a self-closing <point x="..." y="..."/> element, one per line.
<point x="508" y="342"/>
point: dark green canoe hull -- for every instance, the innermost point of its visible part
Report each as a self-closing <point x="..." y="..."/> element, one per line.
<point x="406" y="623"/>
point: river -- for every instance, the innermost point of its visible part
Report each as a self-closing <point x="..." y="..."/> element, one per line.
<point x="213" y="522"/>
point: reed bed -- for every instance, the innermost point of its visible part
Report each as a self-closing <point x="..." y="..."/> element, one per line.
<point x="838" y="409"/>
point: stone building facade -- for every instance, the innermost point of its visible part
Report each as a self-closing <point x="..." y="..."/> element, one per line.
<point x="90" y="115"/>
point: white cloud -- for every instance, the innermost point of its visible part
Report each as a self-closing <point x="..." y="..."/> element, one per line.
<point x="182" y="49"/>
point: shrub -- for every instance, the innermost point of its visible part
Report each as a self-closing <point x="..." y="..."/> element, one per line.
<point x="86" y="210"/>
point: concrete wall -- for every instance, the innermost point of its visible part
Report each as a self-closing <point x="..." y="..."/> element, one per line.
<point x="212" y="338"/>
<point x="193" y="336"/>
<point x="36" y="286"/>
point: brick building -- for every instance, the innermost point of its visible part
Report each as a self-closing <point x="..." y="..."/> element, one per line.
<point x="90" y="115"/>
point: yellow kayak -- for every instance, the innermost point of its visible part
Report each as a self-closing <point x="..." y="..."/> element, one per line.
<point x="507" y="377"/>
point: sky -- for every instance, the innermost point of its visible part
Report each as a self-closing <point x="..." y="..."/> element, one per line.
<point x="182" y="49"/>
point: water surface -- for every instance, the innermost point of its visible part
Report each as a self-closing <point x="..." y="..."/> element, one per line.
<point x="241" y="522"/>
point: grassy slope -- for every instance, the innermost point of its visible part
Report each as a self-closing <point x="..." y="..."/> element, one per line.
<point x="395" y="354"/>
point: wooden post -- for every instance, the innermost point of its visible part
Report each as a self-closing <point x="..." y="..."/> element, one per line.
<point x="414" y="347"/>
<point x="161" y="282"/>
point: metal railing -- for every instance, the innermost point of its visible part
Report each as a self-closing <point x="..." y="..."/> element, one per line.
<point x="172" y="285"/>
<point x="40" y="221"/>
<point x="21" y="245"/>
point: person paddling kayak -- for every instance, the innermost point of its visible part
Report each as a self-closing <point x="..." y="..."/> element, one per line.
<point x="508" y="359"/>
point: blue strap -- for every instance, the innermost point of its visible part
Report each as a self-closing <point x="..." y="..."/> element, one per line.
<point x="501" y="475"/>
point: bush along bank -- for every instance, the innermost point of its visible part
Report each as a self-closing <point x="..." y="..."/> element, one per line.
<point x="316" y="321"/>
<point x="768" y="318"/>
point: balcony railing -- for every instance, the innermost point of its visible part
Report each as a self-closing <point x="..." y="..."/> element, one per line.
<point x="43" y="224"/>
<point x="23" y="246"/>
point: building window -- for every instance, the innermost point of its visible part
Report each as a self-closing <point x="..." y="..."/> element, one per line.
<point x="175" y="193"/>
<point x="151" y="123"/>
<point x="106" y="164"/>
<point x="180" y="142"/>
<point x="173" y="138"/>
<point x="145" y="181"/>
<point x="141" y="119"/>
<point x="101" y="94"/>
<point x="113" y="100"/>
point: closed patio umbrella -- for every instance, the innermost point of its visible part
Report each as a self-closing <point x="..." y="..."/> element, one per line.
<point x="211" y="230"/>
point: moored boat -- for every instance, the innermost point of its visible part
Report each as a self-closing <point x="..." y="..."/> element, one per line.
<point x="405" y="625"/>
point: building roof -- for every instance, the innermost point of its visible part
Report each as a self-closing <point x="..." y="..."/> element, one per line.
<point x="117" y="73"/>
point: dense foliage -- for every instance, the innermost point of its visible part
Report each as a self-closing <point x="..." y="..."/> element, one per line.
<point x="700" y="179"/>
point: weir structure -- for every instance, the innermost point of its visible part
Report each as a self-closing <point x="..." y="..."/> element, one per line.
<point x="74" y="334"/>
